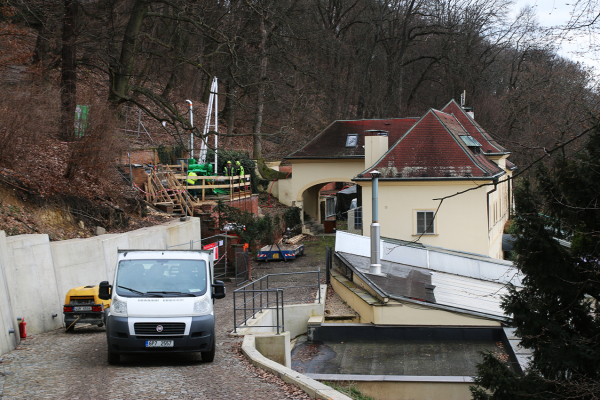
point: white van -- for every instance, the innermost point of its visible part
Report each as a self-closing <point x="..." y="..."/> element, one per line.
<point x="162" y="301"/>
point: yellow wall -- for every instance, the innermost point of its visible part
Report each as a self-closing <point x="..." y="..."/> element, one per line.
<point x="403" y="313"/>
<point x="460" y="224"/>
<point x="389" y="390"/>
<point x="308" y="176"/>
<point x="306" y="173"/>
<point x="498" y="216"/>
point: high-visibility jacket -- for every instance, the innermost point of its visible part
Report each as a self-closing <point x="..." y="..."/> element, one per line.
<point x="191" y="181"/>
<point x="240" y="170"/>
<point x="229" y="171"/>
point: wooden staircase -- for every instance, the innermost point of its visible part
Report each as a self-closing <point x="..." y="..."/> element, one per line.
<point x="165" y="192"/>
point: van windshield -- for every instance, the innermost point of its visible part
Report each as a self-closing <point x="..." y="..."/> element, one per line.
<point x="159" y="278"/>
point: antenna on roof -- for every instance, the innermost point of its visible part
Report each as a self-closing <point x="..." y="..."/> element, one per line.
<point x="463" y="97"/>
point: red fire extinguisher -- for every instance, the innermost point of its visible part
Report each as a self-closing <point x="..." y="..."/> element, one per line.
<point x="23" y="329"/>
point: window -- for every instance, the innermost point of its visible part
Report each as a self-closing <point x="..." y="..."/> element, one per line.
<point x="352" y="140"/>
<point x="329" y="207"/>
<point x="358" y="218"/>
<point x="425" y="222"/>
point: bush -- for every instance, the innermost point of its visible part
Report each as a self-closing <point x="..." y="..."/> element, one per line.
<point x="254" y="230"/>
<point x="292" y="217"/>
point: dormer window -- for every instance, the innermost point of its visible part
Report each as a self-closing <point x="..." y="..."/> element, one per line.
<point x="473" y="144"/>
<point x="352" y="140"/>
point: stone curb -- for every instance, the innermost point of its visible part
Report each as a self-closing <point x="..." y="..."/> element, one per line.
<point x="313" y="388"/>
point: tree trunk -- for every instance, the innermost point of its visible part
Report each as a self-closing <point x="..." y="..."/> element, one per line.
<point x="122" y="71"/>
<point x="229" y="108"/>
<point x="260" y="101"/>
<point x="68" y="77"/>
<point x="41" y="54"/>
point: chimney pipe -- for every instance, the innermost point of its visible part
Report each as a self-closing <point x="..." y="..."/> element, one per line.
<point x="375" y="267"/>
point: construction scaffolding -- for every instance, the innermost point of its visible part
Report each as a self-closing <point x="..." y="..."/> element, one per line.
<point x="168" y="188"/>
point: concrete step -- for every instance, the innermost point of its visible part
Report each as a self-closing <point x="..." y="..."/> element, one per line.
<point x="315" y="229"/>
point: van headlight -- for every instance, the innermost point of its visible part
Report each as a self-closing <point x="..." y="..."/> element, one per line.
<point x="202" y="306"/>
<point x="118" y="308"/>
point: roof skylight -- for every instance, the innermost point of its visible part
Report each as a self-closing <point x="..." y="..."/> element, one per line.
<point x="470" y="141"/>
<point x="352" y="140"/>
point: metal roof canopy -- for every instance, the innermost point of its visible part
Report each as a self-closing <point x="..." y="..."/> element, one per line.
<point x="452" y="292"/>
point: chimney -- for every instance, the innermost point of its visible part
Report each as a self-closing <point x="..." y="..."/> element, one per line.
<point x="469" y="110"/>
<point x="375" y="148"/>
<point x="375" y="267"/>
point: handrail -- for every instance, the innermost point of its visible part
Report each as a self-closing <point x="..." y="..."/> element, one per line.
<point x="252" y="294"/>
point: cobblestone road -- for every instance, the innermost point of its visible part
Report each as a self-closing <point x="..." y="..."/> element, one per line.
<point x="59" y="365"/>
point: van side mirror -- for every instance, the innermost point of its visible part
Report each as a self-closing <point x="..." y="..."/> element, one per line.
<point x="104" y="290"/>
<point x="218" y="290"/>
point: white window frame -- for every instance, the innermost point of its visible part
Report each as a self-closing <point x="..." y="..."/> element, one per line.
<point x="433" y="225"/>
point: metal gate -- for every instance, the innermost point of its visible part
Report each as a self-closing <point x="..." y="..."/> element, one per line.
<point x="242" y="266"/>
<point x="218" y="243"/>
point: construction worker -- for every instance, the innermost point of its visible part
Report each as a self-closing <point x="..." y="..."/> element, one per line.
<point x="229" y="171"/>
<point x="239" y="169"/>
<point x="192" y="182"/>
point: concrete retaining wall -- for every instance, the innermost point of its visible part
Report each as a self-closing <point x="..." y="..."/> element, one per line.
<point x="314" y="389"/>
<point x="36" y="274"/>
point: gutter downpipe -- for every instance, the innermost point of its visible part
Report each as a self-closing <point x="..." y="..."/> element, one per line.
<point x="509" y="198"/>
<point x="375" y="267"/>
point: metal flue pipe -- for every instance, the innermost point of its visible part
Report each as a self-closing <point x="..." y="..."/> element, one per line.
<point x="375" y="267"/>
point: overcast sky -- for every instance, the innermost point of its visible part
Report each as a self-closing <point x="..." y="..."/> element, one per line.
<point x="557" y="12"/>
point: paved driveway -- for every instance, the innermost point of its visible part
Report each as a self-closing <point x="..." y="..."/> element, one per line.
<point x="59" y="365"/>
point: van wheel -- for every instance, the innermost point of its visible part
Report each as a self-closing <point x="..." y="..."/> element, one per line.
<point x="209" y="356"/>
<point x="113" y="358"/>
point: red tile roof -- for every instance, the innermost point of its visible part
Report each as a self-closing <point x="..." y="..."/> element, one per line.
<point x="433" y="148"/>
<point x="488" y="145"/>
<point x="331" y="142"/>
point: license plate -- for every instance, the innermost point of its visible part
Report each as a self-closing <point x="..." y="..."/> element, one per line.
<point x="276" y="255"/>
<point x="160" y="343"/>
<point x="86" y="308"/>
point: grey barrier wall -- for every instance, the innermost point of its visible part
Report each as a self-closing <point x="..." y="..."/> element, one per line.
<point x="35" y="274"/>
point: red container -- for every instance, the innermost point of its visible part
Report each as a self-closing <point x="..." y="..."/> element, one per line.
<point x="23" y="329"/>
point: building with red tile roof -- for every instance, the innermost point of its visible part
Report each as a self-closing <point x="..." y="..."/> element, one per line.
<point x="333" y="141"/>
<point x="445" y="181"/>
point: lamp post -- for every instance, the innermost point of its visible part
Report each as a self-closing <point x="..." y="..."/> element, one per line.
<point x="375" y="267"/>
<point x="191" y="129"/>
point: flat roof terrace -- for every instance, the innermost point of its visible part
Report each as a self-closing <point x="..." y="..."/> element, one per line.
<point x="415" y="358"/>
<point x="364" y="349"/>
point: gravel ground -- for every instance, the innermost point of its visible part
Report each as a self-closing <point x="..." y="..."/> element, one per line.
<point x="58" y="365"/>
<point x="335" y="306"/>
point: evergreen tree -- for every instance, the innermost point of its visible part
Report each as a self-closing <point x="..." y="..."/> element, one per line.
<point x="556" y="312"/>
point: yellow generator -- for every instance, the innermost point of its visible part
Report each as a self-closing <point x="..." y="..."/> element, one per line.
<point x="83" y="306"/>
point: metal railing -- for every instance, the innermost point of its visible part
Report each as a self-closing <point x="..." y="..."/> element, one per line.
<point x="257" y="296"/>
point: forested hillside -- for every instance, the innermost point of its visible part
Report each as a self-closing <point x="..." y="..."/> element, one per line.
<point x="286" y="70"/>
<point x="289" y="68"/>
